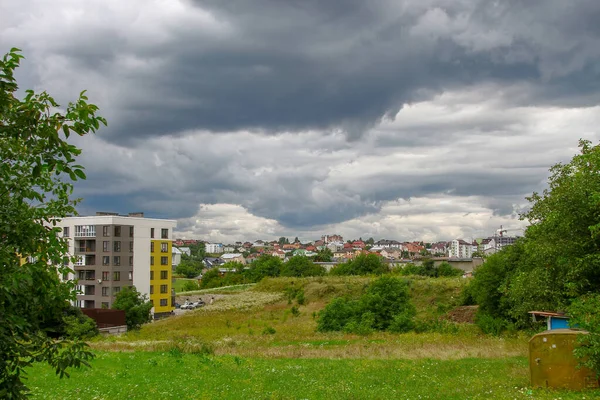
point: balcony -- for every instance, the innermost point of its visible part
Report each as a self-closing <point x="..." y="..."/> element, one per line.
<point x="85" y="246"/>
<point x="89" y="290"/>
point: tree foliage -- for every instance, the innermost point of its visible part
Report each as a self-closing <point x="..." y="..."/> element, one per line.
<point x="585" y="314"/>
<point x="301" y="266"/>
<point x="558" y="260"/>
<point x="38" y="165"/>
<point x="384" y="306"/>
<point x="136" y="306"/>
<point x="363" y="264"/>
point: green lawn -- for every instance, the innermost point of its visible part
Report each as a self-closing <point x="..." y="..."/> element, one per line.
<point x="174" y="375"/>
<point x="178" y="284"/>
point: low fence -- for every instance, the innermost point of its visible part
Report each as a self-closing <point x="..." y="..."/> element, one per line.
<point x="106" y="318"/>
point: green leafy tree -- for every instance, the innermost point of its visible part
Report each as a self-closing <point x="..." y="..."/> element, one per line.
<point x="282" y="240"/>
<point x="585" y="314"/>
<point x="301" y="266"/>
<point x="38" y="165"/>
<point x="325" y="255"/>
<point x="363" y="264"/>
<point x="136" y="306"/>
<point x="265" y="265"/>
<point x="558" y="259"/>
<point x="188" y="268"/>
<point x="370" y="241"/>
<point x="384" y="306"/>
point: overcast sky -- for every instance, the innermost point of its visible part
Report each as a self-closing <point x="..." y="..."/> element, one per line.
<point x="254" y="119"/>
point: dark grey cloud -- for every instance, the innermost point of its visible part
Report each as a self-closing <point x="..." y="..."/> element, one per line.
<point x="276" y="66"/>
<point x="241" y="103"/>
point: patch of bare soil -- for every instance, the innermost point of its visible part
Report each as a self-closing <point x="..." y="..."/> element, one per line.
<point x="462" y="314"/>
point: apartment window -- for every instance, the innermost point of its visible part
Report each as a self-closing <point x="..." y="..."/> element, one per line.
<point x="131" y="261"/>
<point x="130" y="275"/>
<point x="164" y="260"/>
<point x="105" y="260"/>
<point x="151" y="247"/>
<point x="65" y="276"/>
<point x="105" y="231"/>
<point x="151" y="289"/>
<point x="105" y="291"/>
<point x="117" y="231"/>
<point x="163" y="302"/>
<point x="117" y="246"/>
<point x="131" y="231"/>
<point x="152" y="302"/>
<point x="66" y="231"/>
<point x="151" y="275"/>
<point x="117" y="260"/>
<point x="131" y="247"/>
<point x="164" y="274"/>
<point x="65" y="261"/>
<point x="105" y="275"/>
<point x="151" y="260"/>
<point x="164" y="233"/>
<point x="116" y="289"/>
<point x="152" y="233"/>
<point x="85" y="230"/>
<point x="164" y="247"/>
<point x="105" y="304"/>
<point x="106" y="245"/>
<point x="116" y="276"/>
<point x="164" y="288"/>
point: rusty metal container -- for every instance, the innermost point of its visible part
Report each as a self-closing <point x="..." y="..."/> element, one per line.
<point x="552" y="363"/>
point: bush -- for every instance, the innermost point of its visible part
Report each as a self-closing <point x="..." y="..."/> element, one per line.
<point x="585" y="313"/>
<point x="491" y="325"/>
<point x="445" y="269"/>
<point x="189" y="286"/>
<point x="136" y="306"/>
<point x="299" y="266"/>
<point x="363" y="264"/>
<point x="79" y="326"/>
<point x="384" y="306"/>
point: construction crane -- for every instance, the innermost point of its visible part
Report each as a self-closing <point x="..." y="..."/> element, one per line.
<point x="502" y="231"/>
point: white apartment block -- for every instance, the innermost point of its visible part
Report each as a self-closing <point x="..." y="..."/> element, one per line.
<point x="115" y="251"/>
<point x="214" y="248"/>
<point x="461" y="249"/>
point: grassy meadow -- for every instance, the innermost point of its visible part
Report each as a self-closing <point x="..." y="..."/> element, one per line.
<point x="256" y="341"/>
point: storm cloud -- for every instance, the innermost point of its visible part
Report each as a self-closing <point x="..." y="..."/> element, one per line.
<point x="313" y="115"/>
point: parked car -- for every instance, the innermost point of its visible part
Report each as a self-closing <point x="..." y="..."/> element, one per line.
<point x="187" y="306"/>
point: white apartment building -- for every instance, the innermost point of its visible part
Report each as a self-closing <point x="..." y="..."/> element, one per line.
<point x="461" y="249"/>
<point x="115" y="251"/>
<point x="214" y="248"/>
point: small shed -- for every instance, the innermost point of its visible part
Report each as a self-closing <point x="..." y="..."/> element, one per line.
<point x="552" y="363"/>
<point x="555" y="320"/>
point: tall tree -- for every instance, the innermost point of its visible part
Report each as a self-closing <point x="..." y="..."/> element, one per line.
<point x="38" y="165"/>
<point x="559" y="256"/>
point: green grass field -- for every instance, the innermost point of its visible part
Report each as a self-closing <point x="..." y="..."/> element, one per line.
<point x="175" y="375"/>
<point x="250" y="344"/>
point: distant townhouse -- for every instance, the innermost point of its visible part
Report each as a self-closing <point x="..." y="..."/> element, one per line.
<point x="358" y="244"/>
<point x="115" y="251"/>
<point x="211" y="262"/>
<point x="387" y="243"/>
<point x="438" y="248"/>
<point x="233" y="257"/>
<point x="214" y="248"/>
<point x="175" y="256"/>
<point x="332" y="238"/>
<point x="258" y="243"/>
<point x="335" y="246"/>
<point x="391" y="253"/>
<point x="460" y="248"/>
<point x="229" y="249"/>
<point x="278" y="253"/>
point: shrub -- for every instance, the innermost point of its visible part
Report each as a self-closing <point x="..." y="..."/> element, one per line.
<point x="136" y="306"/>
<point x="364" y="264"/>
<point x="79" y="326"/>
<point x="585" y="314"/>
<point x="445" y="269"/>
<point x="269" y="330"/>
<point x="491" y="325"/>
<point x="385" y="302"/>
<point x="189" y="286"/>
